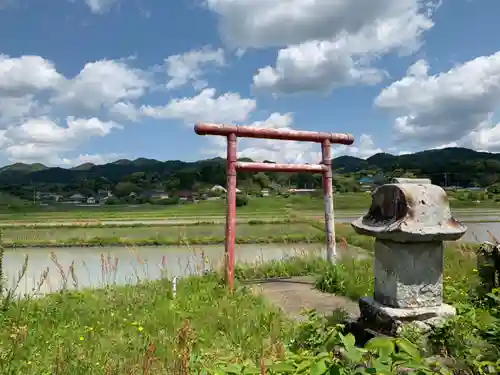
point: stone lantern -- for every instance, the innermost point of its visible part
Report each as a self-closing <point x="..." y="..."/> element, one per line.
<point x="410" y="219"/>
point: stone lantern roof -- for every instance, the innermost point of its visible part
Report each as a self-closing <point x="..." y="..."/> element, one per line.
<point x="410" y="211"/>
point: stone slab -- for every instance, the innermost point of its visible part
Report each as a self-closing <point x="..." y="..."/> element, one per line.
<point x="390" y="320"/>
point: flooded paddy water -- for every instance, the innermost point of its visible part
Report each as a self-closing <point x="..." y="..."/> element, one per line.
<point x="477" y="227"/>
<point x="100" y="266"/>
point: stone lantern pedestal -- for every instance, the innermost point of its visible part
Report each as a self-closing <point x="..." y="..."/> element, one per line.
<point x="410" y="220"/>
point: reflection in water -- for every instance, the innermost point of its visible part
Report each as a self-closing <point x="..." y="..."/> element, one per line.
<point x="98" y="267"/>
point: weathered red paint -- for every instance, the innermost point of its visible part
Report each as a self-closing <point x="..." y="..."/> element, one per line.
<point x="266" y="133"/>
<point x="326" y="153"/>
<point x="231" y="209"/>
<point x="271" y="167"/>
<point x="232" y="132"/>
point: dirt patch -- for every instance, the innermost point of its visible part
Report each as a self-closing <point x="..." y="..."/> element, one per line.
<point x="292" y="295"/>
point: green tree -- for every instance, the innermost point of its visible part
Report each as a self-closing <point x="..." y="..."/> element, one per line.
<point x="494" y="189"/>
<point x="124" y="188"/>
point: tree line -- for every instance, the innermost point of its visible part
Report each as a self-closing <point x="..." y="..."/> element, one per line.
<point x="446" y="167"/>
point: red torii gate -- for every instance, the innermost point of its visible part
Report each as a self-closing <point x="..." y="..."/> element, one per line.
<point x="231" y="132"/>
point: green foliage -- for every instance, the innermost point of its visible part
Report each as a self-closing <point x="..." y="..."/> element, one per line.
<point x="452" y="166"/>
<point x="350" y="278"/>
<point x="167" y="201"/>
<point x="494" y="189"/>
<point x="125" y="188"/>
<point x="113" y="201"/>
<point x="320" y="348"/>
<point x="469" y="342"/>
<point x="241" y="200"/>
<point x="300" y="265"/>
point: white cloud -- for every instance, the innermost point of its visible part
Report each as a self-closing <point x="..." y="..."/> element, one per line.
<point x="206" y="106"/>
<point x="363" y="147"/>
<point x="47" y="131"/>
<point x="27" y="73"/>
<point x="125" y="111"/>
<point x="450" y="108"/>
<point x="189" y="67"/>
<point x="314" y="66"/>
<point x="31" y="86"/>
<point x="277" y="150"/>
<point x="329" y="43"/>
<point x="271" y="23"/>
<point x="34" y="96"/>
<point x="42" y="140"/>
<point x="13" y="108"/>
<point x="100" y="6"/>
<point x="102" y="84"/>
<point x="90" y="158"/>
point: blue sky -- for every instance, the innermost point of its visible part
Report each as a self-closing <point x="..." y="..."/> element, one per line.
<point x="98" y="80"/>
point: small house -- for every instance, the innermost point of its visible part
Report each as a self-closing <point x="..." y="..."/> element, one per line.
<point x="185" y="195"/>
<point x="367" y="183"/>
<point x="155" y="194"/>
<point x="77" y="198"/>
<point x="301" y="191"/>
<point x="159" y="195"/>
<point x="218" y="189"/>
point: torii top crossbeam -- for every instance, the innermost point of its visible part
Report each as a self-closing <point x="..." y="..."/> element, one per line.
<point x="266" y="133"/>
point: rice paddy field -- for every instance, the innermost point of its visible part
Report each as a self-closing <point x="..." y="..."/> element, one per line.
<point x="168" y="232"/>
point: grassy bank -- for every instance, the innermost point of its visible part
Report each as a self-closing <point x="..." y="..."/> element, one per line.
<point x="205" y="329"/>
<point x="138" y="329"/>
<point x="196" y="221"/>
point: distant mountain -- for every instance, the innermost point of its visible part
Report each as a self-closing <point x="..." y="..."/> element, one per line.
<point x="346" y="164"/>
<point x="23" y="168"/>
<point x="83" y="167"/>
<point x="123" y="162"/>
<point x="451" y="165"/>
<point x="144" y="161"/>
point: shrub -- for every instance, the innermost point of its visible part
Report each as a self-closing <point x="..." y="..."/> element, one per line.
<point x="167" y="201"/>
<point x="111" y="201"/>
<point x="241" y="200"/>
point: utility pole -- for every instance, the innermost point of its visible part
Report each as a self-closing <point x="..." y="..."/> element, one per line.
<point x="445" y="179"/>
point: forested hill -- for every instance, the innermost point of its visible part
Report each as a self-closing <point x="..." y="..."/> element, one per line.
<point x="451" y="166"/>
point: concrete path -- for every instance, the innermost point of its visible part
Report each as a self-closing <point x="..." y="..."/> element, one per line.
<point x="297" y="293"/>
<point x="293" y="295"/>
